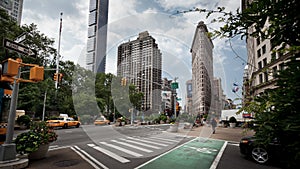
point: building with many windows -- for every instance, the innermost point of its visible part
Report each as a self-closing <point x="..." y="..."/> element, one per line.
<point x="219" y="96"/>
<point x="263" y="63"/>
<point x="14" y="8"/>
<point x="202" y="70"/>
<point x="97" y="36"/>
<point x="140" y="62"/>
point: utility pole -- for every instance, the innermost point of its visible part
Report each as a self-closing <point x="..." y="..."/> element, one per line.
<point x="44" y="106"/>
<point x="58" y="52"/>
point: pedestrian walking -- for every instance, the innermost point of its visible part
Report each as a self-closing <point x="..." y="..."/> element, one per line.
<point x="213" y="125"/>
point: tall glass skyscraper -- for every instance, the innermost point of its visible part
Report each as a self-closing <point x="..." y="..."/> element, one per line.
<point x="97" y="36"/>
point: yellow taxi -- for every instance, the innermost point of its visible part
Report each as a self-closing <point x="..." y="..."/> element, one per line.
<point x="63" y="122"/>
<point x="101" y="121"/>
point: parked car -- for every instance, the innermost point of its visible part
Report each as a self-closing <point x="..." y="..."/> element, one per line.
<point x="259" y="153"/>
<point x="63" y="122"/>
<point x="101" y="121"/>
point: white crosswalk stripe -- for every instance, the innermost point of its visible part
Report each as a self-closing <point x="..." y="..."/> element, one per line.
<point x="145" y="141"/>
<point x="142" y="144"/>
<point x="132" y="146"/>
<point x="119" y="149"/>
<point x="161" y="141"/>
<point x="109" y="153"/>
<point x="159" y="138"/>
<point x="122" y="149"/>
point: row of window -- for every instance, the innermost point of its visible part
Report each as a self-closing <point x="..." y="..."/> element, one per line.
<point x="261" y="51"/>
<point x="262" y="63"/>
<point x="264" y="76"/>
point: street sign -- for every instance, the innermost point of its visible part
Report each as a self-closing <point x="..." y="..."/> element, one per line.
<point x="174" y="85"/>
<point x="18" y="47"/>
<point x="21" y="38"/>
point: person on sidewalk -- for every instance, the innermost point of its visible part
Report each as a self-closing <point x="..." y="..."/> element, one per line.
<point x="213" y="125"/>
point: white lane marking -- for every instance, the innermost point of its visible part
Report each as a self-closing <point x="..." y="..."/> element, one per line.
<point x="86" y="159"/>
<point x="145" y="141"/>
<point x="165" y="139"/>
<point x="218" y="157"/>
<point x="160" y="141"/>
<point x="142" y="144"/>
<point x="109" y="153"/>
<point x="56" y="147"/>
<point x="122" y="149"/>
<point x="132" y="146"/>
<point x="234" y="144"/>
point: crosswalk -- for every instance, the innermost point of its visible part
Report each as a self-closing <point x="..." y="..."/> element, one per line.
<point x="124" y="150"/>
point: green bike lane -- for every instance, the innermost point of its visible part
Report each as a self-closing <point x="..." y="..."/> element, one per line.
<point x="199" y="153"/>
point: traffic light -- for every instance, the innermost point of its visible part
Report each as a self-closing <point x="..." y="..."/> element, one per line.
<point x="10" y="67"/>
<point x="123" y="81"/>
<point x="60" y="76"/>
<point x="36" y="73"/>
<point x="177" y="106"/>
<point x="55" y="77"/>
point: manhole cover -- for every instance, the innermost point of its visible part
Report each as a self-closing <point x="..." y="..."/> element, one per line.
<point x="66" y="163"/>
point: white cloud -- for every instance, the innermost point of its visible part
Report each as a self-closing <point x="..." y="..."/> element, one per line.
<point x="119" y="9"/>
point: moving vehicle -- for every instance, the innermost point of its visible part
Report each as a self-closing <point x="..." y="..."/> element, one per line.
<point x="101" y="121"/>
<point x="260" y="154"/>
<point x="64" y="122"/>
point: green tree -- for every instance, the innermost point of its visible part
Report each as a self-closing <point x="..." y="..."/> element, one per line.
<point x="83" y="92"/>
<point x="135" y="97"/>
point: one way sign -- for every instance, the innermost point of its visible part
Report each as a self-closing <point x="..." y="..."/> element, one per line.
<point x="18" y="47"/>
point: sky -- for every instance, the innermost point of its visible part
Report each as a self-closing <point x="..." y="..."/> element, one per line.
<point x="127" y="18"/>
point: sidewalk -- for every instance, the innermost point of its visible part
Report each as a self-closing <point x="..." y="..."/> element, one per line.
<point x="222" y="133"/>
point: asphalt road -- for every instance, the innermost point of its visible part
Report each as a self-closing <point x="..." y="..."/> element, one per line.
<point x="149" y="142"/>
<point x="93" y="139"/>
<point x="232" y="159"/>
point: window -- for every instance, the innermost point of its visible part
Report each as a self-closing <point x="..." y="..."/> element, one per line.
<point x="257" y="41"/>
<point x="274" y="70"/>
<point x="93" y="5"/>
<point x="281" y="66"/>
<point x="92" y="18"/>
<point x="266" y="76"/>
<point x="91" y="31"/>
<point x="259" y="65"/>
<point x="264" y="49"/>
<point x="265" y="62"/>
<point x="258" y="53"/>
<point x="91" y="44"/>
<point x="260" y="78"/>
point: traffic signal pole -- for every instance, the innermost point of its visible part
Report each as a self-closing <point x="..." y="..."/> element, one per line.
<point x="8" y="149"/>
